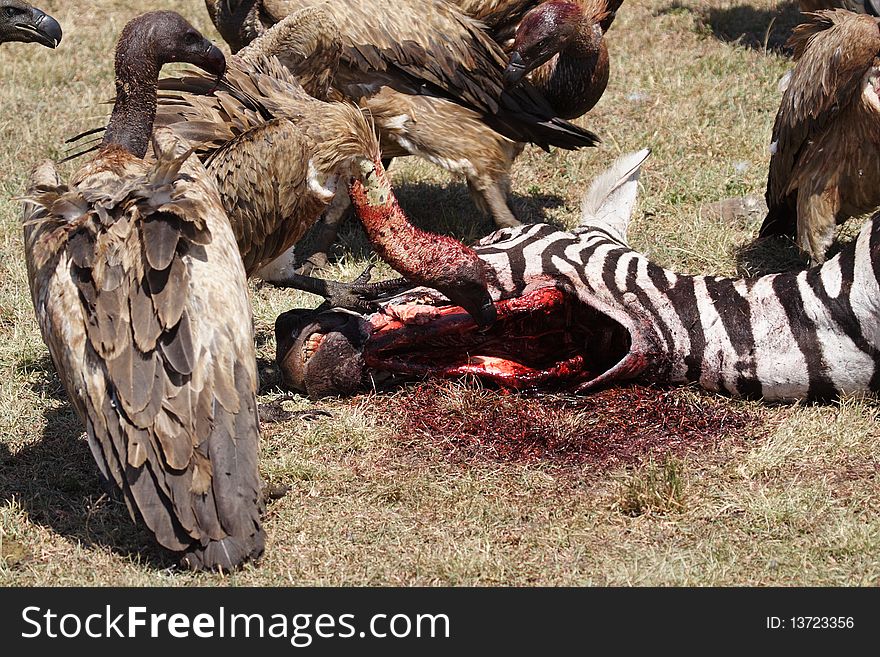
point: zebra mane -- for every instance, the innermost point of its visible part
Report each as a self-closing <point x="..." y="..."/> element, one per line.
<point x="609" y="203"/>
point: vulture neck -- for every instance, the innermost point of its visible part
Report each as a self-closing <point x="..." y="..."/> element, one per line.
<point x="422" y="258"/>
<point x="396" y="240"/>
<point x="137" y="76"/>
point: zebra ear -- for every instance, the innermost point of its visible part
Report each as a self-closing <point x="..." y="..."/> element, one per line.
<point x="612" y="196"/>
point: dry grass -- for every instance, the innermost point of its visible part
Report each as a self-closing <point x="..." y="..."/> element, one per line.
<point x="793" y="503"/>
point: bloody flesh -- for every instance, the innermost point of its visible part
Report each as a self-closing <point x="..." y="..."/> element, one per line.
<point x="423" y="258"/>
<point x="536" y="339"/>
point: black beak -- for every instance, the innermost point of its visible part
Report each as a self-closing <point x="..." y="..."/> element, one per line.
<point x="215" y="62"/>
<point x="516" y="69"/>
<point x="485" y="315"/>
<point x="872" y="7"/>
<point x="40" y="28"/>
<point x="475" y="300"/>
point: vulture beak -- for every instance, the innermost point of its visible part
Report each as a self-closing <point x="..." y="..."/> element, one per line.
<point x="872" y="7"/>
<point x="40" y="28"/>
<point x="215" y="62"/>
<point x="485" y="314"/>
<point x="515" y="70"/>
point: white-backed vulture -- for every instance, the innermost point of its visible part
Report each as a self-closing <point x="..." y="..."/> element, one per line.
<point x="20" y="21"/>
<point x="558" y="45"/>
<point x="825" y="147"/>
<point x="431" y="77"/>
<point x="278" y="156"/>
<point x="141" y="297"/>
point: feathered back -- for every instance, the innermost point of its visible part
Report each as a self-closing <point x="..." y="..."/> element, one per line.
<point x="834" y="49"/>
<point x="251" y="96"/>
<point x="308" y="43"/>
<point x="142" y="301"/>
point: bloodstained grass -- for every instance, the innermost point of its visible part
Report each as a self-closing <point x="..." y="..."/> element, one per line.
<point x="618" y="426"/>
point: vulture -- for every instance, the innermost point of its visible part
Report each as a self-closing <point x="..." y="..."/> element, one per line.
<point x="19" y="21"/>
<point x="825" y="150"/>
<point x="141" y="298"/>
<point x="278" y="154"/>
<point x="561" y="47"/>
<point x="558" y="46"/>
<point x="432" y="79"/>
<point x="871" y="7"/>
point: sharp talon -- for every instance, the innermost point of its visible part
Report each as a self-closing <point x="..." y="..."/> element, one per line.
<point x="365" y="276"/>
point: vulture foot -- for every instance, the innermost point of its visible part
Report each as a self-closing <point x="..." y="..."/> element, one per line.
<point x="360" y="295"/>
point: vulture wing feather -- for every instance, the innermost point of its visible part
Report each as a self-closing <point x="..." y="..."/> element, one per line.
<point x="135" y="331"/>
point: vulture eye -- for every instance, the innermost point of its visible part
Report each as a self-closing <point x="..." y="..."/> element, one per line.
<point x="11" y="11"/>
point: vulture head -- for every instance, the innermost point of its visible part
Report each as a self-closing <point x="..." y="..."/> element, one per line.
<point x="147" y="43"/>
<point x="19" y="21"/>
<point x="163" y="37"/>
<point x="546" y="30"/>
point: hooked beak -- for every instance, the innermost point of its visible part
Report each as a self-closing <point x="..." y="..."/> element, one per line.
<point x="482" y="310"/>
<point x="215" y="62"/>
<point x="516" y="69"/>
<point x="40" y="28"/>
<point x="872" y="7"/>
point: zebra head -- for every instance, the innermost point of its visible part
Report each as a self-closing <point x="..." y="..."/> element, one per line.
<point x="580" y="309"/>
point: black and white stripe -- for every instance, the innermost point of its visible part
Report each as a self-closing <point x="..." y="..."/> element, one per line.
<point x="811" y="335"/>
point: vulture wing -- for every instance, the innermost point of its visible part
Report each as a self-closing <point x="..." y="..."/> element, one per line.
<point x="431" y="48"/>
<point x="263" y="177"/>
<point x="834" y="51"/>
<point x="501" y="16"/>
<point x="259" y="136"/>
<point x="141" y="298"/>
<point x="408" y="45"/>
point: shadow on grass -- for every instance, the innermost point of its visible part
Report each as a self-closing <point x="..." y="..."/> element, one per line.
<point x="56" y="482"/>
<point x="761" y="29"/>
<point x="270" y="376"/>
<point x="40" y="373"/>
<point x="768" y="255"/>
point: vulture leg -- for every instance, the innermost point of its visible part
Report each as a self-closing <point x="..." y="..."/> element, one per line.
<point x="325" y="233"/>
<point x="359" y="295"/>
<point x="817" y="213"/>
<point x="491" y="197"/>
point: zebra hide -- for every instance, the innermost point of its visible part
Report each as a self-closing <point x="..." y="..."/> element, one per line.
<point x="580" y="310"/>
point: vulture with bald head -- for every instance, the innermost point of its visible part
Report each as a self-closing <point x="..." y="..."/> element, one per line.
<point x="141" y="297"/>
<point x="431" y="78"/>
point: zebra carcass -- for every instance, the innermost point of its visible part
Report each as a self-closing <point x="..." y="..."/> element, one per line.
<point x="580" y="310"/>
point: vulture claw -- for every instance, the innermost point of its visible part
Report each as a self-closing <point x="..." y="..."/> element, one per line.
<point x="360" y="295"/>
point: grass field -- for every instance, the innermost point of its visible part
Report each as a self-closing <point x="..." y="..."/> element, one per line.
<point x="741" y="494"/>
